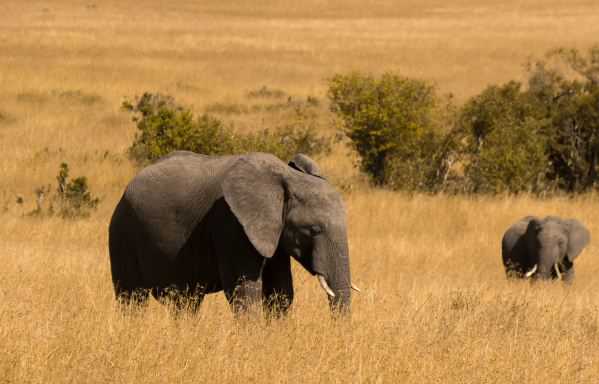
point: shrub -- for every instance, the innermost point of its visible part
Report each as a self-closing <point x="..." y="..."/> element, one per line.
<point x="392" y="124"/>
<point x="512" y="160"/>
<point x="297" y="135"/>
<point x="567" y="82"/>
<point x="500" y="139"/>
<point x="574" y="150"/>
<point x="537" y="139"/>
<point x="72" y="198"/>
<point x="509" y="138"/>
<point x="165" y="126"/>
<point x="284" y="142"/>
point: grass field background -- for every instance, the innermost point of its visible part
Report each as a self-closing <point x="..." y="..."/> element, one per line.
<point x="435" y="305"/>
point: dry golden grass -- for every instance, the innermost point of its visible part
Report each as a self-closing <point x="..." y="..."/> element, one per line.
<point x="435" y="305"/>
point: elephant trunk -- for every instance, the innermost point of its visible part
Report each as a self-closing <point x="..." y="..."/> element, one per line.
<point x="341" y="286"/>
<point x="548" y="267"/>
<point x="331" y="264"/>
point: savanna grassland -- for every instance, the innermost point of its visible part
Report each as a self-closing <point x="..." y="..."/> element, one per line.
<point x="435" y="305"/>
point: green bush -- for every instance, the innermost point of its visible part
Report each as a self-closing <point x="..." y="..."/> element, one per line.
<point x="501" y="141"/>
<point x="72" y="198"/>
<point x="567" y="82"/>
<point x="165" y="126"/>
<point x="512" y="160"/>
<point x="284" y="142"/>
<point x="538" y="139"/>
<point x="393" y="124"/>
<point x="574" y="150"/>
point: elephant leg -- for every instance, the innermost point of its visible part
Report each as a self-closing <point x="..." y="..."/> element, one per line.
<point x="241" y="280"/>
<point x="240" y="265"/>
<point x="124" y="239"/>
<point x="245" y="296"/>
<point x="277" y="285"/>
<point x="181" y="299"/>
<point x="127" y="282"/>
<point x="568" y="274"/>
<point x="192" y="300"/>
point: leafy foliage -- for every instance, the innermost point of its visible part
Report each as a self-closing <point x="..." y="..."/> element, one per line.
<point x="501" y="136"/>
<point x="567" y="81"/>
<point x="72" y="198"/>
<point x="165" y="126"/>
<point x="542" y="138"/>
<point x="391" y="122"/>
<point x="508" y="139"/>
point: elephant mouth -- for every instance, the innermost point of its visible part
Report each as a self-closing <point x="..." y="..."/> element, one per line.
<point x="328" y="290"/>
<point x="556" y="267"/>
<point x="557" y="270"/>
<point x="325" y="286"/>
<point x="532" y="271"/>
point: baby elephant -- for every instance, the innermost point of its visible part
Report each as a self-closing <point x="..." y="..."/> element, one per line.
<point x="543" y="248"/>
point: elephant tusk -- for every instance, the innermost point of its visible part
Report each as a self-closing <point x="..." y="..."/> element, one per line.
<point x="559" y="274"/>
<point x="532" y="271"/>
<point x="355" y="288"/>
<point x="325" y="286"/>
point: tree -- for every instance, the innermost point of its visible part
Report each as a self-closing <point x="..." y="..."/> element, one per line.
<point x="500" y="136"/>
<point x="392" y="123"/>
<point x="567" y="82"/>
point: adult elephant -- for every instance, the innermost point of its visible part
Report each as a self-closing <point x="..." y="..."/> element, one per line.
<point x="194" y="224"/>
<point x="543" y="248"/>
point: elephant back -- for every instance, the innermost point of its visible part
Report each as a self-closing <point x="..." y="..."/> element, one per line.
<point x="171" y="196"/>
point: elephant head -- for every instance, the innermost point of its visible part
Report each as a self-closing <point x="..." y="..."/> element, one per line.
<point x="553" y="244"/>
<point x="292" y="209"/>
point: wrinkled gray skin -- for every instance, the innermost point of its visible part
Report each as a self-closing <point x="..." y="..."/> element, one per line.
<point x="551" y="244"/>
<point x="194" y="224"/>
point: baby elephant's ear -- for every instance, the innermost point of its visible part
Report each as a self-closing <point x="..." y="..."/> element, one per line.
<point x="254" y="191"/>
<point x="305" y="164"/>
<point x="578" y="238"/>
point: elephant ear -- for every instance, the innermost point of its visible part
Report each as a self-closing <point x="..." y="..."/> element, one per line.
<point x="305" y="164"/>
<point x="578" y="238"/>
<point x="253" y="188"/>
